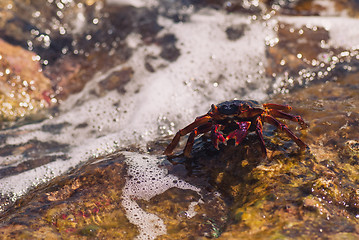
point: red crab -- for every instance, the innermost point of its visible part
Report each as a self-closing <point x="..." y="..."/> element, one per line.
<point x="233" y="120"/>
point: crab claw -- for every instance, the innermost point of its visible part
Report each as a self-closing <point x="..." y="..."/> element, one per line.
<point x="239" y="134"/>
<point x="216" y="136"/>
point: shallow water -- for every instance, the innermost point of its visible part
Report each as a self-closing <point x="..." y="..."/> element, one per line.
<point x="126" y="76"/>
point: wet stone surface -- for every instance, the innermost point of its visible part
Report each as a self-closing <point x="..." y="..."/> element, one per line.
<point x="301" y="56"/>
<point x="24" y="90"/>
<point x="84" y="204"/>
<point x="72" y="53"/>
<point x="187" y="218"/>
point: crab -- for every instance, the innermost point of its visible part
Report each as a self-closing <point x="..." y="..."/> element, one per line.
<point x="234" y="120"/>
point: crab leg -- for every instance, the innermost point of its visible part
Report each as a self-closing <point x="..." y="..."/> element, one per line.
<point x="259" y="131"/>
<point x="280" y="114"/>
<point x="283" y="127"/>
<point x="239" y="134"/>
<point x="217" y="136"/>
<point x="198" y="122"/>
<point x="286" y="108"/>
<point x="192" y="136"/>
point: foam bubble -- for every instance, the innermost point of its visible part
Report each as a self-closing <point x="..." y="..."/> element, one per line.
<point x="146" y="181"/>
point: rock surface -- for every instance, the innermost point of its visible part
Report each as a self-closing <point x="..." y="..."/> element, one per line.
<point x="24" y="89"/>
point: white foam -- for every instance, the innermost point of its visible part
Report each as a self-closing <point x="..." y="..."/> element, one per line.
<point x="16" y="187"/>
<point x="191" y="212"/>
<point x="146" y="181"/>
<point x="135" y="3"/>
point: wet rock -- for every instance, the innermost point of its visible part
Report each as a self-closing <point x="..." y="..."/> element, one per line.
<point x="117" y="80"/>
<point x="314" y="8"/>
<point x="241" y="6"/>
<point x="48" y="28"/>
<point x="296" y="48"/>
<point x="24" y="90"/>
<point x="301" y="55"/>
<point x="71" y="73"/>
<point x="37" y="152"/>
<point x="73" y="51"/>
<point x="169" y="50"/>
<point x="236" y="32"/>
<point x="85" y="203"/>
<point x="187" y="217"/>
